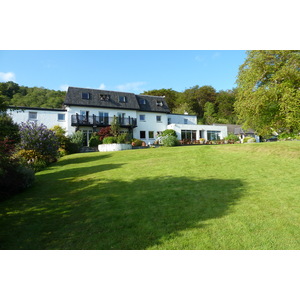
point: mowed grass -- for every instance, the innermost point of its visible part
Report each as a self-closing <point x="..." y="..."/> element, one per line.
<point x="193" y="197"/>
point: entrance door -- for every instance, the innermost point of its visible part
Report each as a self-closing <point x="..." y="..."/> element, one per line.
<point x="86" y="136"/>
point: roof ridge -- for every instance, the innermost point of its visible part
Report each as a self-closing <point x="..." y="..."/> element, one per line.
<point x="74" y="87"/>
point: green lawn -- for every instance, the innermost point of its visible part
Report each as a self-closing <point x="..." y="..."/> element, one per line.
<point x="193" y="197"/>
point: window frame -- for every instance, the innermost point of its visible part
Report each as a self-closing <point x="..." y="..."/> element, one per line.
<point x="151" y="136"/>
<point x="141" y="134"/>
<point x="158" y="120"/>
<point x="64" y="117"/>
<point x="124" y="100"/>
<point x="86" y="98"/>
<point x="32" y="119"/>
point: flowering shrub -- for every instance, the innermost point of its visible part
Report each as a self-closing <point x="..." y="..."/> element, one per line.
<point x="104" y="132"/>
<point x="39" y="139"/>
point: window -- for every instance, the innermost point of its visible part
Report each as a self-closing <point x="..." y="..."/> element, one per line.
<point x="142" y="101"/>
<point x="169" y="121"/>
<point x="32" y="115"/>
<point x="151" y="134"/>
<point x="159" y="103"/>
<point x="85" y="96"/>
<point x="143" y="118"/>
<point x="61" y="117"/>
<point x="142" y="134"/>
<point x="158" y="118"/>
<point x="122" y="99"/>
<point x="185" y="121"/>
<point x="103" y="118"/>
<point x="103" y="97"/>
<point x="188" y="135"/>
<point x="213" y="135"/>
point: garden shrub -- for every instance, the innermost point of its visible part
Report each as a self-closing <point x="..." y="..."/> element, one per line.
<point x="109" y="140"/>
<point x="231" y="137"/>
<point x="94" y="140"/>
<point x="169" y="141"/>
<point x="14" y="178"/>
<point x="104" y="132"/>
<point x="137" y="143"/>
<point x="74" y="142"/>
<point x="122" y="138"/>
<point x="40" y="139"/>
<point x="169" y="132"/>
<point x="9" y="130"/>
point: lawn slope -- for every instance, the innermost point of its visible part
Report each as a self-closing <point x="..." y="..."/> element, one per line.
<point x="193" y="197"/>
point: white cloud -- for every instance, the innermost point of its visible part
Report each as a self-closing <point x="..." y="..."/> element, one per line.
<point x="9" y="76"/>
<point x="134" y="87"/>
<point x="102" y="86"/>
<point x="64" y="87"/>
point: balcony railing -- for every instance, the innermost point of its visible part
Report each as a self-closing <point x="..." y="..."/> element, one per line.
<point x="96" y="121"/>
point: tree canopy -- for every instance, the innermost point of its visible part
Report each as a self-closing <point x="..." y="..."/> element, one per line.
<point x="268" y="92"/>
<point x="13" y="94"/>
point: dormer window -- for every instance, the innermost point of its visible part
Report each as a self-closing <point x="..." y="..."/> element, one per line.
<point x="142" y="101"/>
<point x="85" y="96"/>
<point x="103" y="97"/>
<point x="122" y="99"/>
<point x="159" y="103"/>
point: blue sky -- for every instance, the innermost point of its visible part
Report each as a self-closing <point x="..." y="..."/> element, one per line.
<point x="122" y="70"/>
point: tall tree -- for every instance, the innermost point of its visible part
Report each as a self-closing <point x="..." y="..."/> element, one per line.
<point x="196" y="97"/>
<point x="268" y="93"/>
<point x="225" y="106"/>
<point x="209" y="113"/>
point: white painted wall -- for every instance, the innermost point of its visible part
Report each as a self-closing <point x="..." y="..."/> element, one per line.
<point x="180" y="119"/>
<point x="50" y="119"/>
<point x="150" y="124"/>
<point x="46" y="117"/>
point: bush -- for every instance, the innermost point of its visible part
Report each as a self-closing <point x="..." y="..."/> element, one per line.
<point x="109" y="140"/>
<point x="169" y="132"/>
<point x="231" y="137"/>
<point x="169" y="141"/>
<point x="8" y="129"/>
<point x="104" y="132"/>
<point x="94" y="140"/>
<point x="74" y="142"/>
<point x="123" y="138"/>
<point x="14" y="178"/>
<point x="39" y="139"/>
<point x="137" y="143"/>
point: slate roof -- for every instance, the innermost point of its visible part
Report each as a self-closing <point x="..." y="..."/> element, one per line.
<point x="133" y="102"/>
<point x="236" y="129"/>
<point x="74" y="97"/>
<point x="152" y="103"/>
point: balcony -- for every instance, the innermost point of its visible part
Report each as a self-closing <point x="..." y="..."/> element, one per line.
<point x="94" y="121"/>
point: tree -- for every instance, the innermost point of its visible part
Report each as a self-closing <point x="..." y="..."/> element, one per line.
<point x="115" y="126"/>
<point x="209" y="113"/>
<point x="196" y="97"/>
<point x="225" y="106"/>
<point x="268" y="93"/>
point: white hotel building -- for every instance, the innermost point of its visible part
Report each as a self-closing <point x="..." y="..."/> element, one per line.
<point x="142" y="116"/>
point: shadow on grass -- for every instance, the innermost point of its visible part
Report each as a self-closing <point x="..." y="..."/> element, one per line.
<point x="101" y="214"/>
<point x="73" y="159"/>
